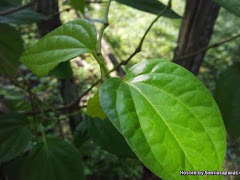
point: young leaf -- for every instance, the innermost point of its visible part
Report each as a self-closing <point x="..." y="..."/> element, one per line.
<point x="150" y="6"/>
<point x="11" y="48"/>
<point x="53" y="161"/>
<point x="15" y="135"/>
<point x="78" y="5"/>
<point x="94" y="108"/>
<point x="168" y="118"/>
<point x="232" y="6"/>
<point x="228" y="98"/>
<point x="66" y="42"/>
<point x="106" y="135"/>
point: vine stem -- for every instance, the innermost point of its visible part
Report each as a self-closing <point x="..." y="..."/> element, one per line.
<point x="98" y="54"/>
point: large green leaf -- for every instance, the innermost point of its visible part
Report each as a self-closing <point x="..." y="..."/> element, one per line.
<point x="55" y="160"/>
<point x="227" y="95"/>
<point x="11" y="48"/>
<point x="66" y="42"/>
<point x="150" y="6"/>
<point x="168" y="118"/>
<point x="230" y="5"/>
<point x="15" y="135"/>
<point x="106" y="135"/>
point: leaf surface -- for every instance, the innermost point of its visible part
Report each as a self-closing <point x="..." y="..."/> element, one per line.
<point x="11" y="48"/>
<point x="54" y="160"/>
<point x="149" y="6"/>
<point x="64" y="43"/>
<point x="168" y="118"/>
<point x="106" y="135"/>
<point x="94" y="108"/>
<point x="78" y="4"/>
<point x="81" y="134"/>
<point x="15" y="135"/>
<point x="228" y="98"/>
<point x="232" y="6"/>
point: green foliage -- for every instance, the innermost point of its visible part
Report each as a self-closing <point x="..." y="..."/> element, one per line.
<point x="150" y="6"/>
<point x="11" y="47"/>
<point x="228" y="98"/>
<point x="94" y="108"/>
<point x="15" y="136"/>
<point x="81" y="134"/>
<point x="232" y="6"/>
<point x="63" y="71"/>
<point x="167" y="116"/>
<point x="53" y="160"/>
<point x="66" y="42"/>
<point x="105" y="135"/>
<point x="78" y="5"/>
<point x="24" y="16"/>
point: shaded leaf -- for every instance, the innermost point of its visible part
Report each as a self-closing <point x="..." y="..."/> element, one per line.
<point x="168" y="118"/>
<point x="106" y="135"/>
<point x="63" y="71"/>
<point x="15" y="136"/>
<point x="232" y="6"/>
<point x="150" y="6"/>
<point x="64" y="43"/>
<point x="54" y="160"/>
<point x="78" y="4"/>
<point x="11" y="48"/>
<point x="94" y="108"/>
<point x="228" y="98"/>
<point x="81" y="134"/>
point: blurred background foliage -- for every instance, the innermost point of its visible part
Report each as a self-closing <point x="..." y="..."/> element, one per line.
<point x="127" y="26"/>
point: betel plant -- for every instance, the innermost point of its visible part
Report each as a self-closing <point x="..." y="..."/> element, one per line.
<point x="161" y="111"/>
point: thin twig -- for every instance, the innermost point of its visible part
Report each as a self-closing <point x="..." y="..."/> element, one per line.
<point x="139" y="47"/>
<point x="13" y="10"/>
<point x="207" y="48"/>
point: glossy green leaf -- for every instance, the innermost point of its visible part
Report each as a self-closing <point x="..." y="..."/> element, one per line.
<point x="150" y="6"/>
<point x="106" y="135"/>
<point x="78" y="4"/>
<point x="81" y="134"/>
<point x="11" y="48"/>
<point x="66" y="42"/>
<point x="227" y="95"/>
<point x="168" y="118"/>
<point x="232" y="5"/>
<point x="94" y="108"/>
<point x="55" y="160"/>
<point x="15" y="135"/>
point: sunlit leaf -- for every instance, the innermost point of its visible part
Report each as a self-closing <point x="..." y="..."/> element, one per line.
<point x="168" y="118"/>
<point x="64" y="43"/>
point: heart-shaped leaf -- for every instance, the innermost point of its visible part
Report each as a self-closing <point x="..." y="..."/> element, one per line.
<point x="15" y="135"/>
<point x="168" y="118"/>
<point x="232" y="6"/>
<point x="53" y="160"/>
<point x="64" y="43"/>
<point x="227" y="95"/>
